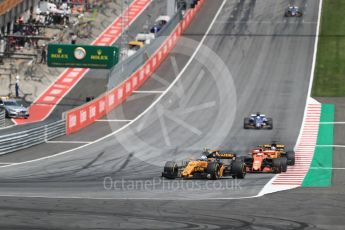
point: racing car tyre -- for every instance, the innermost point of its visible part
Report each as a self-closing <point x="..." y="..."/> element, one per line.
<point x="246" y="123"/>
<point x="170" y="170"/>
<point x="238" y="169"/>
<point x="277" y="166"/>
<point x="283" y="161"/>
<point x="290" y="155"/>
<point x="270" y="123"/>
<point x="213" y="170"/>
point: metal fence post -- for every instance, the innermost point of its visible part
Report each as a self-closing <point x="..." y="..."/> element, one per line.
<point x="45" y="133"/>
<point x="2" y="118"/>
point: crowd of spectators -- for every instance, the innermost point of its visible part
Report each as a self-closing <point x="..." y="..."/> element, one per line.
<point x="30" y="27"/>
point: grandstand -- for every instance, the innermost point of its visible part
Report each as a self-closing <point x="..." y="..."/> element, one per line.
<point x="10" y="10"/>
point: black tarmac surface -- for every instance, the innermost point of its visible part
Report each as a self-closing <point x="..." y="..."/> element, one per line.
<point x="254" y="59"/>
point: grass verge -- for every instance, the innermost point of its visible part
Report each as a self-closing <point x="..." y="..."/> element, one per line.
<point x="330" y="63"/>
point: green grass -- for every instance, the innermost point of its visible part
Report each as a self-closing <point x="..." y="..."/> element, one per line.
<point x="330" y="63"/>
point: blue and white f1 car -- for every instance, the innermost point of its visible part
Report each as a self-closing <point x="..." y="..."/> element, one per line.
<point x="293" y="11"/>
<point x="258" y="121"/>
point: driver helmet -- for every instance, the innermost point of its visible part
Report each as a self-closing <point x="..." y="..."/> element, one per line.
<point x="258" y="114"/>
<point x="206" y="151"/>
<point x="273" y="147"/>
<point x="203" y="158"/>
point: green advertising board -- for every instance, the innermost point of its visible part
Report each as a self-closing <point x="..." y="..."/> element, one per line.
<point x="82" y="56"/>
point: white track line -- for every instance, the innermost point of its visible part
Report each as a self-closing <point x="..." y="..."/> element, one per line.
<point x="68" y="142"/>
<point x="334" y="146"/>
<point x="7" y="127"/>
<point x="113" y="120"/>
<point x="267" y="188"/>
<point x="132" y="198"/>
<point x="147" y="109"/>
<point x="263" y="22"/>
<point x="148" y="92"/>
<point x="327" y="168"/>
<point x="312" y="71"/>
<point x="333" y="123"/>
<point x="313" y="64"/>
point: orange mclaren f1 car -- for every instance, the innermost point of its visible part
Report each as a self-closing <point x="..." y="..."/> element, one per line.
<point x="212" y="165"/>
<point x="269" y="158"/>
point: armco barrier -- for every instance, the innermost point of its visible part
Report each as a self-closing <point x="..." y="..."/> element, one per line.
<point x="87" y="114"/>
<point x="130" y="65"/>
<point x="21" y="140"/>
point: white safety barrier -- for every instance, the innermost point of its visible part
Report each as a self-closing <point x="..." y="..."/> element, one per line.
<point x="24" y="139"/>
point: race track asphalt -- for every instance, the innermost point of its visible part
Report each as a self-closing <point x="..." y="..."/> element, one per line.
<point x="292" y="210"/>
<point x="260" y="62"/>
<point x="253" y="60"/>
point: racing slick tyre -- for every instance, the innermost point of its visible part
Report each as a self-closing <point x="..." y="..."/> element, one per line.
<point x="299" y="14"/>
<point x="246" y="123"/>
<point x="238" y="169"/>
<point x="277" y="166"/>
<point x="270" y="123"/>
<point x="284" y="163"/>
<point x="290" y="155"/>
<point x="213" y="170"/>
<point x="170" y="170"/>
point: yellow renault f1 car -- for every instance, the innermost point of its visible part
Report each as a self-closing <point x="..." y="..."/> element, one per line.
<point x="212" y="165"/>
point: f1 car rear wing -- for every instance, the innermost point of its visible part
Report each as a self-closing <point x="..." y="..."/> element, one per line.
<point x="254" y="115"/>
<point x="218" y="155"/>
<point x="278" y="146"/>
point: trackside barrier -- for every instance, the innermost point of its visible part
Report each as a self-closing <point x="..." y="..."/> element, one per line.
<point x="21" y="140"/>
<point x="87" y="114"/>
<point x="130" y="65"/>
<point x="42" y="107"/>
<point x="2" y="118"/>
